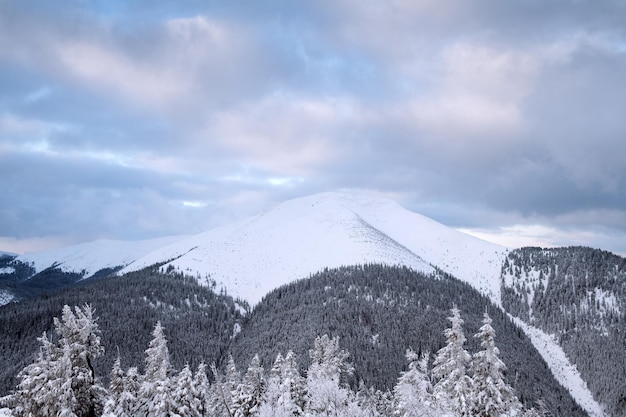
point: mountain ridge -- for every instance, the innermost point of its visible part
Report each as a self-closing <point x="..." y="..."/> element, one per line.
<point x="296" y="239"/>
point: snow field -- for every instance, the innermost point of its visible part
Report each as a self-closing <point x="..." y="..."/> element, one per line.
<point x="562" y="369"/>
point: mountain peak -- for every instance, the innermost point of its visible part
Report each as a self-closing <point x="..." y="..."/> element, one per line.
<point x="305" y="235"/>
<point x="294" y="240"/>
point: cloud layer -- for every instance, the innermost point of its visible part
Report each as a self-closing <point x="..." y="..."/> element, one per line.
<point x="145" y="119"/>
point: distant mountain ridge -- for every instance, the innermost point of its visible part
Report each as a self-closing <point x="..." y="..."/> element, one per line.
<point x="295" y="239"/>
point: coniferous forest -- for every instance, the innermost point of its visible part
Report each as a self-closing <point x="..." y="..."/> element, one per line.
<point x="578" y="294"/>
<point x="380" y="325"/>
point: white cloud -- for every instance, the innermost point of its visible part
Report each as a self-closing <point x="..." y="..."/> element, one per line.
<point x="114" y="72"/>
<point x="284" y="133"/>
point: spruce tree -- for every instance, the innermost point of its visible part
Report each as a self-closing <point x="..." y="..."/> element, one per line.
<point x="186" y="399"/>
<point x="453" y="389"/>
<point x="249" y="393"/>
<point x="155" y="397"/>
<point x="62" y="381"/>
<point x="201" y="384"/>
<point x="414" y="392"/>
<point x="493" y="397"/>
<point x="325" y="394"/>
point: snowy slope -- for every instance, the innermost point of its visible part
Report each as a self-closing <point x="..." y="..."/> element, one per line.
<point x="562" y="369"/>
<point x="305" y="235"/>
<point x="94" y="256"/>
<point x="5" y="297"/>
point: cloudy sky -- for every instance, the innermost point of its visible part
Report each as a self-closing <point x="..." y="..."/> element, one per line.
<point x="132" y="120"/>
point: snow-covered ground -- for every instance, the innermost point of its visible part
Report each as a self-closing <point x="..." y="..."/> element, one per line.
<point x="562" y="369"/>
<point x="5" y="412"/>
<point x="5" y="297"/>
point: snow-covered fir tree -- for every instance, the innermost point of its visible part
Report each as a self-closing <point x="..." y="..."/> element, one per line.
<point x="285" y="391"/>
<point x="225" y="386"/>
<point x="201" y="385"/>
<point x="326" y="396"/>
<point x="453" y="389"/>
<point x="62" y="381"/>
<point x="493" y="397"/>
<point x="249" y="394"/>
<point x="124" y="404"/>
<point x="116" y="389"/>
<point x="414" y="392"/>
<point x="155" y="392"/>
<point x="373" y="402"/>
<point x="185" y="396"/>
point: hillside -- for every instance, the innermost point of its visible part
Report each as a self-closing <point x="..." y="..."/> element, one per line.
<point x="198" y="322"/>
<point x="377" y="312"/>
<point x="579" y="295"/>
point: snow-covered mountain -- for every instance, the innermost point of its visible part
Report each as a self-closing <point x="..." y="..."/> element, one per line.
<point x="296" y="239"/>
<point x="89" y="258"/>
<point x="292" y="241"/>
<point x="327" y="230"/>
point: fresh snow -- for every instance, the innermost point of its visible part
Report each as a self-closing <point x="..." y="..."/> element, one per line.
<point x="5" y="297"/>
<point x="89" y="258"/>
<point x="563" y="370"/>
<point x="5" y="412"/>
<point x="7" y="270"/>
<point x="305" y="235"/>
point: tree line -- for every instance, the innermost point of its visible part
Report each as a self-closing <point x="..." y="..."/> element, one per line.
<point x="62" y="381"/>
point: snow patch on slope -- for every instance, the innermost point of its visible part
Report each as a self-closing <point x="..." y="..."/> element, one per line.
<point x="91" y="257"/>
<point x="5" y="297"/>
<point x="563" y="370"/>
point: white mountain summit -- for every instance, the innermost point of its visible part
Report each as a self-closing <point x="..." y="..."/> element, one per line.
<point x="304" y="235"/>
<point x="295" y="239"/>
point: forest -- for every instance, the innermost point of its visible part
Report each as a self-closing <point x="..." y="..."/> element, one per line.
<point x="578" y="294"/>
<point x="61" y="381"/>
<point x="376" y="311"/>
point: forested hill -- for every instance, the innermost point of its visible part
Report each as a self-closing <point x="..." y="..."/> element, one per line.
<point x="579" y="294"/>
<point x="377" y="312"/>
<point x="198" y="322"/>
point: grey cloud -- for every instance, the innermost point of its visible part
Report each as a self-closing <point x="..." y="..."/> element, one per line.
<point x="476" y="113"/>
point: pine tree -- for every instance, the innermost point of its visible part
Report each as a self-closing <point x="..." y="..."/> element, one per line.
<point x="493" y="397"/>
<point x="201" y="384"/>
<point x="155" y="391"/>
<point x="294" y="385"/>
<point x="186" y="399"/>
<point x="284" y="394"/>
<point x="221" y="392"/>
<point x="325" y="395"/>
<point x="453" y="389"/>
<point x="116" y="388"/>
<point x="413" y="392"/>
<point x="62" y="381"/>
<point x="248" y="395"/>
<point x="80" y="336"/>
